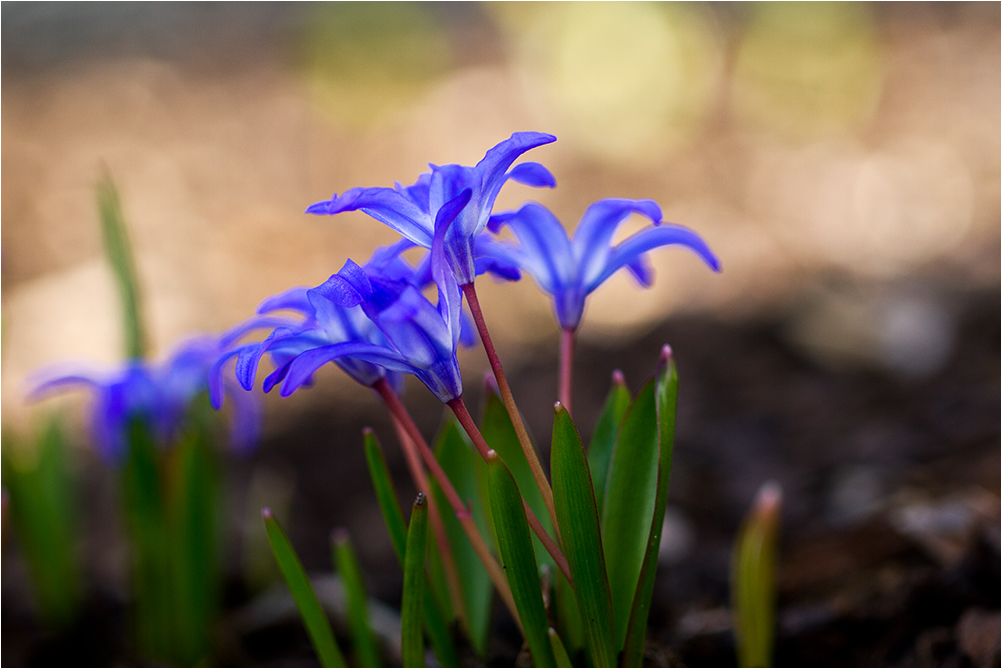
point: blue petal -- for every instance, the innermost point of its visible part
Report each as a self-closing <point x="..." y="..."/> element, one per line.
<point x="496" y="162"/>
<point x="293" y="299"/>
<point x="245" y="421"/>
<point x="595" y="231"/>
<point x="532" y="174"/>
<point x="349" y="287"/>
<point x="306" y="364"/>
<point x="215" y="376"/>
<point x="545" y="252"/>
<point x="389" y="206"/>
<point x="650" y="238"/>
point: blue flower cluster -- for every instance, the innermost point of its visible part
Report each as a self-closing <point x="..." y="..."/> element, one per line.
<point x="373" y="320"/>
<point x="157" y="394"/>
<point x="375" y="323"/>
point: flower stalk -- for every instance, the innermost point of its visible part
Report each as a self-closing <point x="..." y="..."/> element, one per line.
<point x="513" y="412"/>
<point x="400" y="413"/>
<point x="460" y="410"/>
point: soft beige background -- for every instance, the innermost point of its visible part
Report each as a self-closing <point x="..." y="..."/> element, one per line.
<point x="803" y="142"/>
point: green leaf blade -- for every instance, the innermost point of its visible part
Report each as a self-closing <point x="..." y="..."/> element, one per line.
<point x="583" y="545"/>
<point x="435" y="621"/>
<point x="630" y="503"/>
<point x="317" y="625"/>
<point x="116" y="242"/>
<point x="666" y="394"/>
<point x="754" y="580"/>
<point x="462" y="464"/>
<point x="498" y="432"/>
<point x="518" y="560"/>
<point x="346" y="563"/>
<point x="412" y="644"/>
<point x="560" y="653"/>
<point x="604" y="436"/>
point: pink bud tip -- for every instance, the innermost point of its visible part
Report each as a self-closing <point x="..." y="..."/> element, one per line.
<point x="618" y="379"/>
<point x="367" y="431"/>
<point x="769" y="498"/>
<point x="666" y="354"/>
<point x="490" y="383"/>
<point x="339" y="536"/>
<point x="266" y="513"/>
<point x="558" y="407"/>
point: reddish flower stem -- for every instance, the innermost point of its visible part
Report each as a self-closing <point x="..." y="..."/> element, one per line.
<point x="567" y="367"/>
<point x="513" y="412"/>
<point x="460" y="410"/>
<point x="400" y="413"/>
<point x="421" y="483"/>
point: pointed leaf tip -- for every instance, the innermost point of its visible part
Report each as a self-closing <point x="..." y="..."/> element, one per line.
<point x="492" y="456"/>
<point x="666" y="355"/>
<point x="266" y="513"/>
<point x="490" y="383"/>
<point x="419" y="499"/>
<point x="339" y="536"/>
<point x="367" y="431"/>
<point x="769" y="499"/>
<point x="618" y="378"/>
<point x="558" y="407"/>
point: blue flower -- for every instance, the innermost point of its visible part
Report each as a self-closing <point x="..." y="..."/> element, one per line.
<point x="160" y="395"/>
<point x="412" y="210"/>
<point x="569" y="270"/>
<point x="372" y="321"/>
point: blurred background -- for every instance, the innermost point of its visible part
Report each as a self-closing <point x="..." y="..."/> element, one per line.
<point x="843" y="161"/>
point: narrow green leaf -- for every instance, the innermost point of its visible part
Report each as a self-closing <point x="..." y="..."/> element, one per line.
<point x="116" y="242"/>
<point x="412" y="645"/>
<point x="560" y="653"/>
<point x="569" y="619"/>
<point x="498" y="432"/>
<point x="583" y="545"/>
<point x="152" y="579"/>
<point x="604" y="436"/>
<point x="41" y="505"/>
<point x="518" y="561"/>
<point x="435" y="621"/>
<point x="630" y="502"/>
<point x="346" y="564"/>
<point x="666" y="392"/>
<point x="461" y="464"/>
<point x="317" y="625"/>
<point x="193" y="527"/>
<point x="754" y="580"/>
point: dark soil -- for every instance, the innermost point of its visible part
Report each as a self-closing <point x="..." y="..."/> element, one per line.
<point x="890" y="551"/>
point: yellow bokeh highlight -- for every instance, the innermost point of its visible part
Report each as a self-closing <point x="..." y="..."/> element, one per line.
<point x="366" y="61"/>
<point x="617" y="80"/>
<point x="807" y="69"/>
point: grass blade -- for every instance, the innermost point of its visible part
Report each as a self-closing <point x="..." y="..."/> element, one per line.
<point x="412" y="644"/>
<point x="116" y="242"/>
<point x="193" y="527"/>
<point x="461" y="464"/>
<point x="604" y="436"/>
<point x="317" y="625"/>
<point x="41" y="507"/>
<point x="347" y="565"/>
<point x="498" y="432"/>
<point x="579" y="521"/>
<point x="630" y="502"/>
<point x="666" y="392"/>
<point x="435" y="621"/>
<point x="754" y="579"/>
<point x="516" y="548"/>
<point x="560" y="653"/>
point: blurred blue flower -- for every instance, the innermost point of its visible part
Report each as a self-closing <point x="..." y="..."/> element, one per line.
<point x="372" y="321"/>
<point x="160" y="395"/>
<point x="412" y="210"/>
<point x="569" y="270"/>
